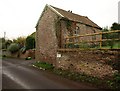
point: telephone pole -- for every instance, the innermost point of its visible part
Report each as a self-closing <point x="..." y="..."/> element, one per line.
<point x="4" y="35"/>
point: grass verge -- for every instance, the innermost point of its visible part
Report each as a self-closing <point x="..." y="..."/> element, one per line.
<point x="43" y="65"/>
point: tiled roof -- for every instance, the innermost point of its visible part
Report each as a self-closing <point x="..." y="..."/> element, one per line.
<point x="75" y="17"/>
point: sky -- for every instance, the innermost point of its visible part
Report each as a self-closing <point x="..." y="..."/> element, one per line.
<point x="19" y="17"/>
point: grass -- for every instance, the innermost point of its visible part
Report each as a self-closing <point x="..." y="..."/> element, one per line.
<point x="76" y="76"/>
<point x="115" y="46"/>
<point x="43" y="65"/>
<point x="83" y="45"/>
<point x="113" y="83"/>
<point x="1" y="56"/>
<point x="106" y="47"/>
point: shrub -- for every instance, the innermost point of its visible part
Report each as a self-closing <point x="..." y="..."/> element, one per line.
<point x="69" y="46"/>
<point x="14" y="47"/>
<point x="84" y="45"/>
<point x="115" y="82"/>
<point x="23" y="50"/>
<point x="30" y="42"/>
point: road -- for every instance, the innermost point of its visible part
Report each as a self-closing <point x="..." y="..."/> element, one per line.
<point x="19" y="74"/>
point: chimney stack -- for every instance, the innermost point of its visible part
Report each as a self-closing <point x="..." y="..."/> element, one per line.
<point x="70" y="11"/>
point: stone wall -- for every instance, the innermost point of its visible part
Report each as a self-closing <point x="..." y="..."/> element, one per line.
<point x="6" y="53"/>
<point x="46" y="40"/>
<point x="83" y="30"/>
<point x="92" y="62"/>
<point x="28" y="53"/>
<point x="9" y="54"/>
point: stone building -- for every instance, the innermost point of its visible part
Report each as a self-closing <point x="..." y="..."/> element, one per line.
<point x="54" y="25"/>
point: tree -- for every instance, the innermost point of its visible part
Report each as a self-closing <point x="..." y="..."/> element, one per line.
<point x="30" y="42"/>
<point x="107" y="36"/>
<point x="7" y="43"/>
<point x="20" y="41"/>
<point x="14" y="47"/>
<point x="33" y="34"/>
<point x="115" y="26"/>
<point x="4" y="44"/>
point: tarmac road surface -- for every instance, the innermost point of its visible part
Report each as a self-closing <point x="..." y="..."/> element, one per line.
<point x="19" y="74"/>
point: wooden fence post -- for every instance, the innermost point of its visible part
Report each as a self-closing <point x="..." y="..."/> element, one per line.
<point x="100" y="40"/>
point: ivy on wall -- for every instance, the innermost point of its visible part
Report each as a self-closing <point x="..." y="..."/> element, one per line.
<point x="68" y="23"/>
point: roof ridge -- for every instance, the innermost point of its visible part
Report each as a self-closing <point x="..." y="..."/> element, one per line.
<point x="67" y="11"/>
<point x="76" y="17"/>
<point x="73" y="16"/>
<point x="51" y="7"/>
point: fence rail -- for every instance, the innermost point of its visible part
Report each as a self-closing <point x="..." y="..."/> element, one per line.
<point x="100" y="33"/>
<point x="94" y="41"/>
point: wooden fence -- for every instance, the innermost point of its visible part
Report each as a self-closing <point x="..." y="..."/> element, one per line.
<point x="99" y="42"/>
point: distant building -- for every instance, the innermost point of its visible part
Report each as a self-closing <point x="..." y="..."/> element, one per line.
<point x="119" y="12"/>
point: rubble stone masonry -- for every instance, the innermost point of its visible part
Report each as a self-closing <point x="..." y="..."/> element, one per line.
<point x="46" y="45"/>
<point x="97" y="63"/>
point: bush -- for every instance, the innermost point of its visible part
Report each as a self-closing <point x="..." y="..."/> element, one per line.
<point x="30" y="42"/>
<point x="69" y="46"/>
<point x="81" y="45"/>
<point x="14" y="47"/>
<point x="84" y="45"/>
<point x="23" y="50"/>
<point x="115" y="82"/>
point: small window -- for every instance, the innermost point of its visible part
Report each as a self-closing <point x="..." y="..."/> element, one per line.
<point x="77" y="28"/>
<point x="76" y="32"/>
<point x="94" y="37"/>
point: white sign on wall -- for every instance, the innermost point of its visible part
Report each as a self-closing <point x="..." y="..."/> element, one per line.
<point x="58" y="55"/>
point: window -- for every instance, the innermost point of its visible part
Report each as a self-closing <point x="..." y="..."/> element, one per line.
<point x="94" y="36"/>
<point x="76" y="32"/>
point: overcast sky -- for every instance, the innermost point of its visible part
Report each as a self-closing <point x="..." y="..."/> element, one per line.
<point x="19" y="17"/>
